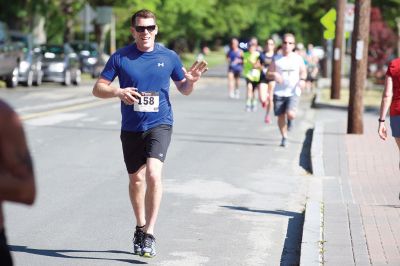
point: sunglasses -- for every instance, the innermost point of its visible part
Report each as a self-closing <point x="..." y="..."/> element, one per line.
<point x="149" y="28"/>
<point x="288" y="42"/>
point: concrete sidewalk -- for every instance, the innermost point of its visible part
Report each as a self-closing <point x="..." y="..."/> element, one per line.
<point x="353" y="210"/>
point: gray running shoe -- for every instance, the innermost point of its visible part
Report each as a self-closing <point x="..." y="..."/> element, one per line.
<point x="137" y="241"/>
<point x="148" y="246"/>
<point x="284" y="142"/>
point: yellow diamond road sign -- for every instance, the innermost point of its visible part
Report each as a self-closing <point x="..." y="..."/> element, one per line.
<point x="328" y="21"/>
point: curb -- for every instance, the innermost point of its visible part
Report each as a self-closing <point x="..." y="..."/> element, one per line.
<point x="312" y="240"/>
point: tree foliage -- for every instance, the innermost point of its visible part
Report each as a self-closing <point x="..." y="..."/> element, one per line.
<point x="188" y="24"/>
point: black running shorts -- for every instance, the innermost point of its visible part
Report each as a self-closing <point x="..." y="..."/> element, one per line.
<point x="138" y="146"/>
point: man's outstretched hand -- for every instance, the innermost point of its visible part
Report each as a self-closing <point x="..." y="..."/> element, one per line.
<point x="195" y="71"/>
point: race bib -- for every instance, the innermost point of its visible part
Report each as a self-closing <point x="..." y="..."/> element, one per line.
<point x="148" y="102"/>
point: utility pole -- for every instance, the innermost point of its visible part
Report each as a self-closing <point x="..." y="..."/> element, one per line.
<point x="337" y="50"/>
<point x="359" y="64"/>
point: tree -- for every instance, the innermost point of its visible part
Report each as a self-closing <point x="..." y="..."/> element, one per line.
<point x="382" y="42"/>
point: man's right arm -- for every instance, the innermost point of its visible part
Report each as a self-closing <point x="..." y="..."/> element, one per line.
<point x="103" y="89"/>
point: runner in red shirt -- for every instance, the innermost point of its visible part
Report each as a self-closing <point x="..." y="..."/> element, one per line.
<point x="391" y="98"/>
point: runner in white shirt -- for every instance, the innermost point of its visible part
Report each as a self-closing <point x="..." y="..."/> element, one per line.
<point x="289" y="72"/>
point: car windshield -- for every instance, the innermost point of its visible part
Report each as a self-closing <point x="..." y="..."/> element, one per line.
<point x="52" y="51"/>
<point x="85" y="49"/>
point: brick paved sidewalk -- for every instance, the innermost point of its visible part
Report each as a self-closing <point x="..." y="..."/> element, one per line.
<point x="361" y="186"/>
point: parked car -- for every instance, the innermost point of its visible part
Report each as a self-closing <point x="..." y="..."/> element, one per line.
<point x="10" y="56"/>
<point x="89" y="55"/>
<point x="30" y="67"/>
<point x="60" y="63"/>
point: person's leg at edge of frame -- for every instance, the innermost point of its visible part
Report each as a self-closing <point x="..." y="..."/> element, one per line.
<point x="398" y="145"/>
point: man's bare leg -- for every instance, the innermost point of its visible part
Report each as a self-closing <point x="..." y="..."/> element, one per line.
<point x="153" y="192"/>
<point x="137" y="190"/>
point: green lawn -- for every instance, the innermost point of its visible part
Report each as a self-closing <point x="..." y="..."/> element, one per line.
<point x="371" y="97"/>
<point x="213" y="58"/>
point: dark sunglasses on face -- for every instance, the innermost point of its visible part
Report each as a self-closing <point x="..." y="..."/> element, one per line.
<point x="149" y="28"/>
<point x="288" y="42"/>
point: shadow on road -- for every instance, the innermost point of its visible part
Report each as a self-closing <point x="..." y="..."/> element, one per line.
<point x="58" y="253"/>
<point x="292" y="246"/>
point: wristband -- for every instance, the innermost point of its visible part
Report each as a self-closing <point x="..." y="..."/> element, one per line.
<point x="381" y="120"/>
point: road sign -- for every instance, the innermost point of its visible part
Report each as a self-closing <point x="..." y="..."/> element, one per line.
<point x="328" y="21"/>
<point x="349" y="17"/>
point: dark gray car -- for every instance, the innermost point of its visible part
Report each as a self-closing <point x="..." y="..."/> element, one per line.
<point x="10" y="56"/>
<point x="60" y="63"/>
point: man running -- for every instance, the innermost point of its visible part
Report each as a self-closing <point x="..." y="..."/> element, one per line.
<point x="144" y="70"/>
<point x="289" y="72"/>
<point x="16" y="170"/>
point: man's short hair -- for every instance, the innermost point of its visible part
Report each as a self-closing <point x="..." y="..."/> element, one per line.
<point x="289" y="35"/>
<point x="143" y="13"/>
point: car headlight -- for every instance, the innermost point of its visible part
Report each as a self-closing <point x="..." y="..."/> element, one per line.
<point x="23" y="66"/>
<point x="56" y="67"/>
<point x="92" y="60"/>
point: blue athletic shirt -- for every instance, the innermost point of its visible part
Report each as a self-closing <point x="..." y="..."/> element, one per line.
<point x="148" y="72"/>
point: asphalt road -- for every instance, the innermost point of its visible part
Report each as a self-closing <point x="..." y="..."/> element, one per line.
<point x="232" y="196"/>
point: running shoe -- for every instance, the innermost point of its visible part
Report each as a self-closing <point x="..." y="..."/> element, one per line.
<point x="148" y="246"/>
<point x="137" y="241"/>
<point x="237" y="94"/>
<point x="267" y="119"/>
<point x="284" y="142"/>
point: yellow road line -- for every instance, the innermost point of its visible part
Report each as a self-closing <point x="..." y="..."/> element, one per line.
<point x="65" y="109"/>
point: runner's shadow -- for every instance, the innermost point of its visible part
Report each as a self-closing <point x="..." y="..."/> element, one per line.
<point x="58" y="253"/>
<point x="292" y="246"/>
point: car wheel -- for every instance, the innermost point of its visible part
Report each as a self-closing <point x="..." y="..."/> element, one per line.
<point x="29" y="79"/>
<point x="12" y="81"/>
<point x="39" y="78"/>
<point x="78" y="77"/>
<point x="67" y="78"/>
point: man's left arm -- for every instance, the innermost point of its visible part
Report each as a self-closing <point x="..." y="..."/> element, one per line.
<point x="186" y="85"/>
<point x="303" y="75"/>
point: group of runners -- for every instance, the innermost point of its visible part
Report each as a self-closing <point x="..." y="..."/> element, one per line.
<point x="275" y="77"/>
